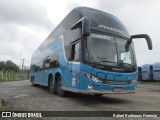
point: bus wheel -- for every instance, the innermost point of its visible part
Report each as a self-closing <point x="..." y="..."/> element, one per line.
<point x="32" y="81"/>
<point x="98" y="95"/>
<point x="52" y="88"/>
<point x="59" y="90"/>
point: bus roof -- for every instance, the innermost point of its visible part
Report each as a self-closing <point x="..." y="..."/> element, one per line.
<point x="99" y="21"/>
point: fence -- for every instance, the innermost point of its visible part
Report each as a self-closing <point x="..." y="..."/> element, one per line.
<point x="12" y="75"/>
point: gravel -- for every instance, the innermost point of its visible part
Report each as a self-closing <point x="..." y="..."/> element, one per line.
<point x="21" y="96"/>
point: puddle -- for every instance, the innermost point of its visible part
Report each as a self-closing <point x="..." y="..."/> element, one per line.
<point x="22" y="95"/>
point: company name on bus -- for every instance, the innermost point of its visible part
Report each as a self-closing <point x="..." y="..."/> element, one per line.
<point x="110" y="28"/>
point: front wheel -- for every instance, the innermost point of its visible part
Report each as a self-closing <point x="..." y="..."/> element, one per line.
<point x="59" y="89"/>
<point x="98" y="95"/>
<point x="32" y="82"/>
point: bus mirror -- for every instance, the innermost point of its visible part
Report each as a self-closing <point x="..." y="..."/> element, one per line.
<point x="84" y="23"/>
<point x="148" y="39"/>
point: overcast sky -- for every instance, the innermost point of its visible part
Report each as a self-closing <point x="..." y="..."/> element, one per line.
<point x="24" y="24"/>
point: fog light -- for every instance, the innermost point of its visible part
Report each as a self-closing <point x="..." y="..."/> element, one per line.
<point x="90" y="86"/>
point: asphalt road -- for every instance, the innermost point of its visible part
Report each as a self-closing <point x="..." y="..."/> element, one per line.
<point x="21" y="96"/>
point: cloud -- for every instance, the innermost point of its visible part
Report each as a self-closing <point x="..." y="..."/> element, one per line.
<point x="24" y="24"/>
<point x="24" y="12"/>
<point x="14" y="39"/>
<point x="139" y="17"/>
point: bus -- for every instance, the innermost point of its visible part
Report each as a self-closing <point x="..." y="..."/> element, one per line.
<point x="89" y="52"/>
<point x="147" y="72"/>
<point x="139" y="73"/>
<point x="156" y="71"/>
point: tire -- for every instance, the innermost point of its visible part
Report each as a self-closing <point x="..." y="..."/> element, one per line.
<point x="51" y="86"/>
<point x="32" y="82"/>
<point x="98" y="95"/>
<point x="60" y="92"/>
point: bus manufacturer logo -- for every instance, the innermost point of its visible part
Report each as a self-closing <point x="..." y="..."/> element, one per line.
<point x="116" y="69"/>
<point x="111" y="29"/>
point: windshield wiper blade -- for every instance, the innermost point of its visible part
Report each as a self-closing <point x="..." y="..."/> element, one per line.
<point x="122" y="64"/>
<point x="107" y="61"/>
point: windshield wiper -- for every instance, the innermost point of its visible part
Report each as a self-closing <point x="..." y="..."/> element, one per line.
<point x="107" y="61"/>
<point x="123" y="64"/>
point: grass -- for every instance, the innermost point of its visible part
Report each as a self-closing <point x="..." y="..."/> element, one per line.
<point x="23" y="77"/>
<point x="2" y="103"/>
<point x="13" y="76"/>
<point x="10" y="80"/>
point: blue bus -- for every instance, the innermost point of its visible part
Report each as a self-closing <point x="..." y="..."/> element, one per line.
<point x="156" y="71"/>
<point x="139" y="73"/>
<point x="89" y="52"/>
<point x="147" y="72"/>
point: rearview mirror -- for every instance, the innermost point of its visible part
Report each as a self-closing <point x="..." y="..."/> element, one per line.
<point x="148" y="39"/>
<point x="84" y="23"/>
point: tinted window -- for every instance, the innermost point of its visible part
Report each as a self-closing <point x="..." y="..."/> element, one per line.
<point x="76" y="52"/>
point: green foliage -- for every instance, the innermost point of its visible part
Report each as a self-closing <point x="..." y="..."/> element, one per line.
<point x="2" y="65"/>
<point x="8" y="66"/>
<point x="2" y="103"/>
<point x="13" y="76"/>
<point x="9" y="71"/>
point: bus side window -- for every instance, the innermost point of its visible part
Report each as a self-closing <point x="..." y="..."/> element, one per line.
<point x="75" y="52"/>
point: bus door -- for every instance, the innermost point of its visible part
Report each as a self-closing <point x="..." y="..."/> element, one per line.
<point x="75" y="65"/>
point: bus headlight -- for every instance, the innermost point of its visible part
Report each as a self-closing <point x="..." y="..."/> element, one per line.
<point x="92" y="77"/>
<point x="134" y="81"/>
<point x="90" y="87"/>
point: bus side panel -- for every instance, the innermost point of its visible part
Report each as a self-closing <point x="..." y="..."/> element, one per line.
<point x="70" y="72"/>
<point x="156" y="71"/>
<point x="146" y="72"/>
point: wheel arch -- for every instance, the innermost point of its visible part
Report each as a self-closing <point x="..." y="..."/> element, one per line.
<point x="54" y="75"/>
<point x="58" y="72"/>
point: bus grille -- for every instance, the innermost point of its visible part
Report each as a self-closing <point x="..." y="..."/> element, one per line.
<point x="116" y="82"/>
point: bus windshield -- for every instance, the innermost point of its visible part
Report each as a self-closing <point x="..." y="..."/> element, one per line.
<point x="108" y="50"/>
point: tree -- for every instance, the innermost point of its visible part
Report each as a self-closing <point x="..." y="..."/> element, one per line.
<point x="2" y="65"/>
<point x="8" y="66"/>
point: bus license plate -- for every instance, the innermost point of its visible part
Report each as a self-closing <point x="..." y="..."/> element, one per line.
<point x="118" y="89"/>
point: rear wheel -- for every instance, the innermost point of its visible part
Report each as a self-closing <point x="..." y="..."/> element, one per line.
<point x="32" y="81"/>
<point x="59" y="89"/>
<point x="52" y="88"/>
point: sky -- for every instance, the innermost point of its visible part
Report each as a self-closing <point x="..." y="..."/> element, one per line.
<point x="24" y="24"/>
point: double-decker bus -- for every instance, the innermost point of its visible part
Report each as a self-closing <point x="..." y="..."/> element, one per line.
<point x="147" y="72"/>
<point x="89" y="52"/>
<point x="156" y="71"/>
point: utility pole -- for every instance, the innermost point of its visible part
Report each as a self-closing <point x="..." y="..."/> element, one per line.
<point x="23" y="63"/>
<point x="21" y="56"/>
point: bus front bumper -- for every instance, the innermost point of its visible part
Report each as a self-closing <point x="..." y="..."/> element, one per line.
<point x="106" y="92"/>
<point x="98" y="91"/>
